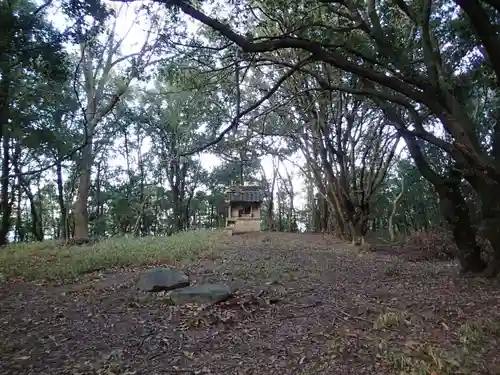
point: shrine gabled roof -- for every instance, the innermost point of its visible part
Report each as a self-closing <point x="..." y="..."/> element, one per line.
<point x="245" y="194"/>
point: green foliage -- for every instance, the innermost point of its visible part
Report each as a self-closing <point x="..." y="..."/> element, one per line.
<point x="418" y="207"/>
<point x="35" y="69"/>
<point x="28" y="41"/>
<point x="48" y="261"/>
<point x="322" y="111"/>
<point x="80" y="11"/>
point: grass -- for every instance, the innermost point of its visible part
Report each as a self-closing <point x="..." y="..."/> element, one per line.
<point x="391" y="319"/>
<point x="479" y="332"/>
<point x="422" y="359"/>
<point x="261" y="269"/>
<point x="48" y="261"/>
<point x="429" y="358"/>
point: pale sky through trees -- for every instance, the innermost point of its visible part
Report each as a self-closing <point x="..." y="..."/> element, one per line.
<point x="135" y="38"/>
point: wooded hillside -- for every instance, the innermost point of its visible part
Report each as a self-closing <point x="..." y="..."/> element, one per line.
<point x="391" y="109"/>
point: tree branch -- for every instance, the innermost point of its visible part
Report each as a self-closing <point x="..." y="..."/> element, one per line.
<point x="247" y="110"/>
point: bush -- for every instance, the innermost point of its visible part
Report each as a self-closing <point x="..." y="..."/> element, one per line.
<point x="434" y="244"/>
<point x="439" y="244"/>
<point x="48" y="261"/>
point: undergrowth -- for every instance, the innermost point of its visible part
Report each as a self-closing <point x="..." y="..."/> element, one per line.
<point x="48" y="261"/>
<point x="439" y="244"/>
<point x="434" y="244"/>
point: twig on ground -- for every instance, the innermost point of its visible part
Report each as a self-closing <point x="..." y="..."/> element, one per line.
<point x="354" y="317"/>
<point x="141" y="343"/>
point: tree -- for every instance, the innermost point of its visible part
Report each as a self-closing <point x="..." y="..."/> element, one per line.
<point x="31" y="55"/>
<point x="396" y="53"/>
<point x="103" y="90"/>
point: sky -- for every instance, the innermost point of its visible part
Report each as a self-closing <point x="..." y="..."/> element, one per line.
<point x="136" y="34"/>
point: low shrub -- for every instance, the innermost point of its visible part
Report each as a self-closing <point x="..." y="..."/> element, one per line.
<point x="439" y="244"/>
<point x="49" y="261"/>
<point x="433" y="244"/>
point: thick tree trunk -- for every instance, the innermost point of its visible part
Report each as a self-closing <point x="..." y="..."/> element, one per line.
<point x="452" y="203"/>
<point x="490" y="209"/>
<point x="485" y="30"/>
<point x="491" y="229"/>
<point x="456" y="213"/>
<point x="358" y="224"/>
<point x="81" y="205"/>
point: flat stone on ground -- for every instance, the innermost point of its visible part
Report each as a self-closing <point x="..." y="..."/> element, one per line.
<point x="162" y="279"/>
<point x="203" y="293"/>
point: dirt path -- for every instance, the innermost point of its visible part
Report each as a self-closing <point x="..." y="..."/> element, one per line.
<point x="305" y="306"/>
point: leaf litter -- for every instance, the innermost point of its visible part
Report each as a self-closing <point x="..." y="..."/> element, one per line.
<point x="304" y="305"/>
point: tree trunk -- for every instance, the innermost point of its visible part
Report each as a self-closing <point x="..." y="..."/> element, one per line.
<point x="177" y="208"/>
<point x="316" y="218"/>
<point x="144" y="229"/>
<point x="456" y="214"/>
<point x="81" y="205"/>
<point x="490" y="209"/>
<point x="98" y="210"/>
<point x="452" y="203"/>
<point x="35" y="209"/>
<point x="36" y="224"/>
<point x="19" y="229"/>
<point x="485" y="30"/>
<point x="211" y="219"/>
<point x="5" y="99"/>
<point x="280" y="215"/>
<point x="271" y="225"/>
<point x="39" y="206"/>
<point x="187" y="213"/>
<point x="63" y="224"/>
<point x="392" y="236"/>
<point x="360" y="230"/>
<point x="6" y="205"/>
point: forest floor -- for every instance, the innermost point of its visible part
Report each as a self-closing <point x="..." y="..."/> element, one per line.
<point x="305" y="305"/>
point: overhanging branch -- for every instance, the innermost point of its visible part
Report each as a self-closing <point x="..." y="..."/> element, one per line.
<point x="249" y="109"/>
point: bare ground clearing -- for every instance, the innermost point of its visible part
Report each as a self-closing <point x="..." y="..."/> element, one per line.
<point x="304" y="306"/>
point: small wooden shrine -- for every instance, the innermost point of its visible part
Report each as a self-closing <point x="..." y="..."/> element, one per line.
<point x="243" y="213"/>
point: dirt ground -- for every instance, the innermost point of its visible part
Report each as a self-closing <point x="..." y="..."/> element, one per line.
<point x="305" y="305"/>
